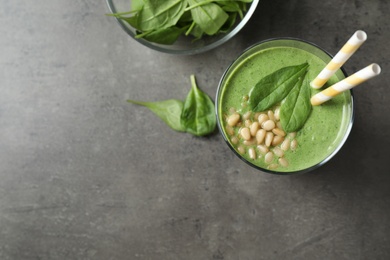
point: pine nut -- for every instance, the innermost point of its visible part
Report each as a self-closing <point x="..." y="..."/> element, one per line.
<point x="268" y="138"/>
<point x="286" y="144"/>
<point x="229" y="130"/>
<point x="292" y="135"/>
<point x="257" y="114"/>
<point x="278" y="152"/>
<point x="245" y="133"/>
<point x="233" y="119"/>
<point x="277" y="113"/>
<point x="247" y="115"/>
<point x="234" y="140"/>
<point x="248" y="122"/>
<point x="241" y="149"/>
<point x="277" y="140"/>
<point x="262" y="149"/>
<point x="279" y="125"/>
<point x="273" y="166"/>
<point x="279" y="132"/>
<point x="225" y="117"/>
<point x="294" y="145"/>
<point x="252" y="153"/>
<point x="254" y="128"/>
<point x="268" y="158"/>
<point x="252" y="141"/>
<point x="245" y="98"/>
<point x="268" y="125"/>
<point x="262" y="118"/>
<point x="260" y="136"/>
<point x="283" y="162"/>
<point x="271" y="115"/>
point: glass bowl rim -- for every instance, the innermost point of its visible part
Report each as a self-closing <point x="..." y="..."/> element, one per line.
<point x="197" y="50"/>
<point x="306" y="170"/>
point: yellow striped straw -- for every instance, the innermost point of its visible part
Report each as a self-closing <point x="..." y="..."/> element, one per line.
<point x="341" y="57"/>
<point x="347" y="83"/>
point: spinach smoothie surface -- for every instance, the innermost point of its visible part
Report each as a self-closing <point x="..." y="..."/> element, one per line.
<point x="324" y="129"/>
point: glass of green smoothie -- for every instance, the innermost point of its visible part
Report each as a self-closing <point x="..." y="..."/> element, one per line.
<point x="258" y="137"/>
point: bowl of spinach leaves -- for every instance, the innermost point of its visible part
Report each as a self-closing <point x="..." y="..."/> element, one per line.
<point x="182" y="26"/>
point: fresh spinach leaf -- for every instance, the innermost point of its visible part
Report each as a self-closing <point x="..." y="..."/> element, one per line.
<point x="133" y="21"/>
<point x="232" y="7"/>
<point x="296" y="107"/>
<point x="210" y="17"/>
<point x="186" y="18"/>
<point x="157" y="14"/>
<point x="164" y="35"/>
<point x="195" y="31"/>
<point x="151" y="18"/>
<point x="195" y="115"/>
<point x="168" y="110"/>
<point x="198" y="115"/>
<point x="136" y="4"/>
<point x="229" y="23"/>
<point x="274" y="87"/>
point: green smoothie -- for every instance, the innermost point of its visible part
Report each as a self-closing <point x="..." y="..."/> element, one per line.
<point x="325" y="130"/>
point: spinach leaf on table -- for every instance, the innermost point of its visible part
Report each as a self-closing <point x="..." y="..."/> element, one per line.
<point x="198" y="116"/>
<point x="274" y="87"/>
<point x="195" y="115"/>
<point x="168" y="110"/>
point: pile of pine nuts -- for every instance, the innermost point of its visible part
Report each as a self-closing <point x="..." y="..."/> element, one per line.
<point x="260" y="135"/>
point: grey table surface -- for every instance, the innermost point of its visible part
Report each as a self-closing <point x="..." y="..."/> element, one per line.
<point x="85" y="175"/>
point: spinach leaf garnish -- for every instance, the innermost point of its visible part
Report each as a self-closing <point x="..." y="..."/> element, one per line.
<point x="296" y="107"/>
<point x="289" y="86"/>
<point x="195" y="115"/>
<point x="198" y="117"/>
<point x="274" y="87"/>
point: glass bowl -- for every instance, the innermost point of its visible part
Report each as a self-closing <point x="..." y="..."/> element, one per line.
<point x="184" y="45"/>
<point x="316" y="144"/>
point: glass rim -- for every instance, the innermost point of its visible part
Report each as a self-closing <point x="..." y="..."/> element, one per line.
<point x="313" y="167"/>
<point x="191" y="51"/>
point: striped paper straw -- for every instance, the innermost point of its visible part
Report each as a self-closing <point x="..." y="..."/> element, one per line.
<point x="347" y="83"/>
<point x="341" y="57"/>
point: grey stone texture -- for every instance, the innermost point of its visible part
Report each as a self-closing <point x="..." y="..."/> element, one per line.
<point x="85" y="175"/>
